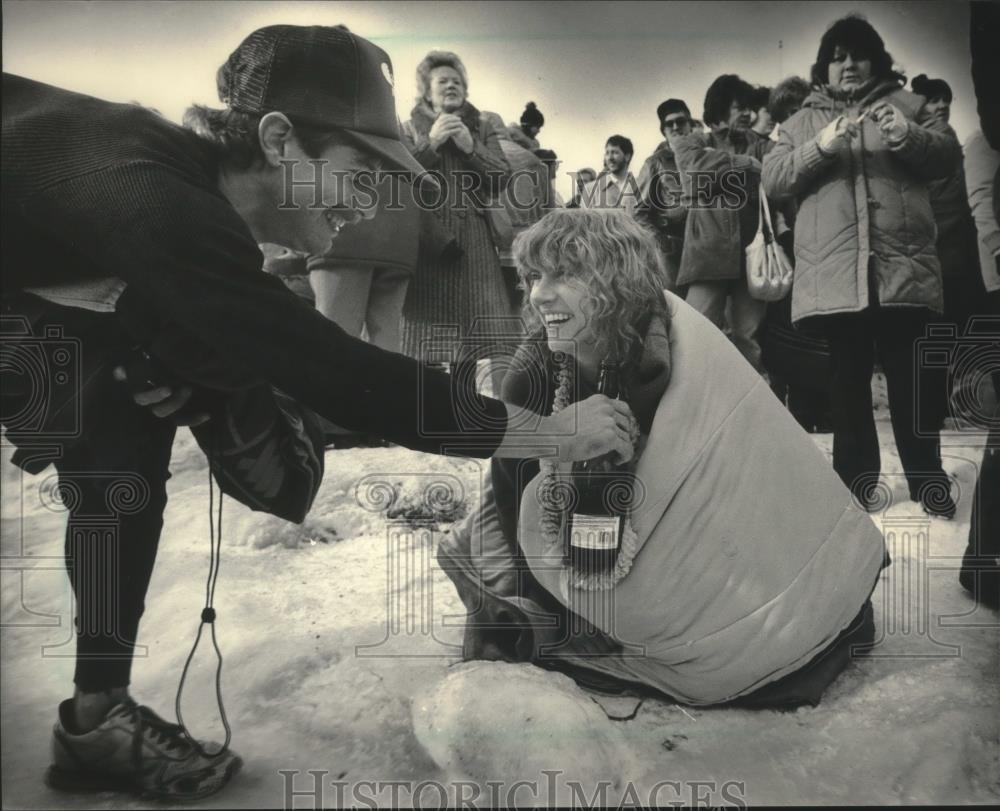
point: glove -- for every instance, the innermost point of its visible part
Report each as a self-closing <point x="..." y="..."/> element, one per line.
<point x="892" y="124"/>
<point x="836" y="135"/>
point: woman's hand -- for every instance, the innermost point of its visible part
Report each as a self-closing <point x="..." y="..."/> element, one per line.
<point x="837" y="135"/>
<point x="892" y="124"/>
<point x="447" y="126"/>
<point x="463" y="138"/>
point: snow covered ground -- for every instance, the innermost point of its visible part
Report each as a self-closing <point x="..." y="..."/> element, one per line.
<point x="338" y="633"/>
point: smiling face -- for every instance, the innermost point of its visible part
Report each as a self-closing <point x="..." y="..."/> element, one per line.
<point x="615" y="160"/>
<point x="564" y="306"/>
<point x="318" y="210"/>
<point x="446" y="89"/>
<point x="846" y="71"/>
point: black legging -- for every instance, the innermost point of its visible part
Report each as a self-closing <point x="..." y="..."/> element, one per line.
<point x="113" y="470"/>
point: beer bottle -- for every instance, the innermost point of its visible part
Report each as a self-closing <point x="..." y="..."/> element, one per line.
<point x="604" y="492"/>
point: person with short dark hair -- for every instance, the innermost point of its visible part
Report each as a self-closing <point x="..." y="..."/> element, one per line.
<point x="786" y="98"/>
<point x="615" y="187"/>
<point x="660" y="190"/>
<point x="721" y="177"/>
<point x="136" y="241"/>
<point x="867" y="273"/>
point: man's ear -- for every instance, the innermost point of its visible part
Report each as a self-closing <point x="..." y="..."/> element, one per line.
<point x="274" y="132"/>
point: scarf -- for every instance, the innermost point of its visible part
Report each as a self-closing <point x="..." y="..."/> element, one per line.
<point x="864" y="95"/>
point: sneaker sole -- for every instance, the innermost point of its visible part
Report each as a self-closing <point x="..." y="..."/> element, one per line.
<point x="76" y="782"/>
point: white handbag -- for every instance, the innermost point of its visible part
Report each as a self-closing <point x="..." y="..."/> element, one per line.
<point x="769" y="273"/>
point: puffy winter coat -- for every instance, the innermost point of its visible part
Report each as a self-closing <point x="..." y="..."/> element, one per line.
<point x="739" y="580"/>
<point x="864" y="212"/>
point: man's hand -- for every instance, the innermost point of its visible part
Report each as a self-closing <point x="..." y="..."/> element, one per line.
<point x="164" y="401"/>
<point x="584" y="430"/>
<point x="594" y="427"/>
<point x="892" y="124"/>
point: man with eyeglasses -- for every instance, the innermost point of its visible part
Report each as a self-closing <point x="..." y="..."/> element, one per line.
<point x="660" y="194"/>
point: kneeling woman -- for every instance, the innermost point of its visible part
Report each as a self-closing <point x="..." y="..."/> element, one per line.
<point x="744" y="569"/>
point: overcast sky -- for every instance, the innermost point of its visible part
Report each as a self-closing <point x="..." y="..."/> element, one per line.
<point x="594" y="69"/>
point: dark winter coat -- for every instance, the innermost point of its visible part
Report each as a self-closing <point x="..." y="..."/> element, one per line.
<point x="660" y="205"/>
<point x="721" y="195"/>
<point x="956" y="230"/>
<point x="457" y="293"/>
<point x="864" y="217"/>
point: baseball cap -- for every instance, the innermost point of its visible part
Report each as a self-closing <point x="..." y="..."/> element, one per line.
<point x="671" y="106"/>
<point x="323" y="76"/>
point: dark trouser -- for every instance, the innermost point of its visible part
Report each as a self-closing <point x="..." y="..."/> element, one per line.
<point x="854" y="339"/>
<point x="112" y="471"/>
<point x="796" y="365"/>
<point x="980" y="572"/>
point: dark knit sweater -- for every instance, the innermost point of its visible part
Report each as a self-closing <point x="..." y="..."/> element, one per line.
<point x="92" y="189"/>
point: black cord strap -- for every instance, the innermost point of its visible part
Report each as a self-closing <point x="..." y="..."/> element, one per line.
<point x="208" y="615"/>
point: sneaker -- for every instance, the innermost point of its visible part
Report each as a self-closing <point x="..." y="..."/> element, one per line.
<point x="135" y="751"/>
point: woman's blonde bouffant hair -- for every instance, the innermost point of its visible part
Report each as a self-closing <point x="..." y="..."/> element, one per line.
<point x="613" y="256"/>
<point x="437" y="59"/>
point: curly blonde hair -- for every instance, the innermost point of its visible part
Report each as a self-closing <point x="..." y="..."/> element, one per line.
<point x="437" y="59"/>
<point x="613" y="256"/>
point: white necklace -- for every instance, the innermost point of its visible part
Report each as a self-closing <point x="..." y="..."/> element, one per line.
<point x="553" y="495"/>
